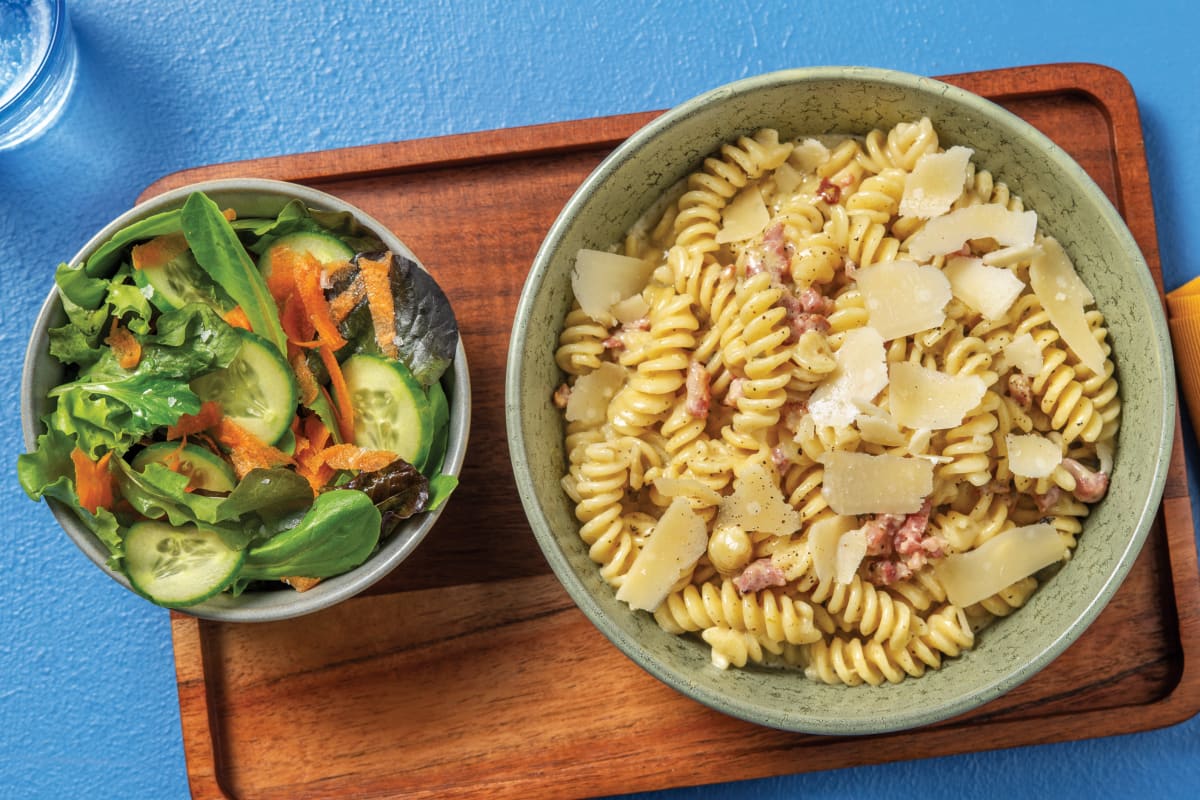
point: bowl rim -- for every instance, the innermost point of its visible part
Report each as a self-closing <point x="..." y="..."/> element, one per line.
<point x="331" y="590"/>
<point x="808" y="721"/>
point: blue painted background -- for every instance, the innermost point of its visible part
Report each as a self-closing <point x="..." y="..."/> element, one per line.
<point x="88" y="706"/>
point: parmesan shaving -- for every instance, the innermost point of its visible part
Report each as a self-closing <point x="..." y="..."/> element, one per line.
<point x="903" y="298"/>
<point x="851" y="549"/>
<point x="674" y="546"/>
<point x="989" y="290"/>
<point x="823" y="538"/>
<point x="601" y="279"/>
<point x="1032" y="456"/>
<point x="592" y="393"/>
<point x="687" y="487"/>
<point x="858" y="483"/>
<point x="936" y="181"/>
<point x="1063" y="295"/>
<point x="920" y="397"/>
<point x="948" y="233"/>
<point x="631" y="309"/>
<point x="1023" y="354"/>
<point x="998" y="563"/>
<point x="860" y="375"/>
<point x="809" y="154"/>
<point x="744" y="218"/>
<point x="757" y="504"/>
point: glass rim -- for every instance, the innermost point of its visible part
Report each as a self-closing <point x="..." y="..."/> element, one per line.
<point x="58" y="9"/>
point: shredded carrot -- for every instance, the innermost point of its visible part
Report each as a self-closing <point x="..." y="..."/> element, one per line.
<point x="158" y="251"/>
<point x="246" y="450"/>
<point x="93" y="481"/>
<point x="341" y="306"/>
<point x="301" y="584"/>
<point x="307" y="276"/>
<point x="305" y="380"/>
<point x="190" y="424"/>
<point x="311" y="438"/>
<point x="125" y="346"/>
<point x="296" y="324"/>
<point x="236" y="317"/>
<point x="341" y="394"/>
<point x="229" y="214"/>
<point x="349" y="456"/>
<point x="377" y="279"/>
<point x="280" y="281"/>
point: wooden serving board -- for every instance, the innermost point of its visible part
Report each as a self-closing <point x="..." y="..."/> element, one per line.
<point x="470" y="673"/>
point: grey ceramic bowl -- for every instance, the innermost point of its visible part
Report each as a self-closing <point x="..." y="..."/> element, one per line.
<point x="1069" y="205"/>
<point x="249" y="197"/>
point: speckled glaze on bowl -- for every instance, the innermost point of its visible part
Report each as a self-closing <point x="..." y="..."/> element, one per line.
<point x="1069" y="205"/>
<point x="249" y="197"/>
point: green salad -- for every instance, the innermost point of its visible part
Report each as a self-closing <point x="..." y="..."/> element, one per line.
<point x="248" y="403"/>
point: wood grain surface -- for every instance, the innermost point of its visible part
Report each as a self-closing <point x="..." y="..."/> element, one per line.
<point x="468" y="672"/>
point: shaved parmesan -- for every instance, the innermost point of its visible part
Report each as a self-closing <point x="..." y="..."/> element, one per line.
<point x="601" y="279"/>
<point x="823" y="538"/>
<point x="880" y="429"/>
<point x="1032" y="456"/>
<point x="851" y="548"/>
<point x="1023" y="355"/>
<point x="756" y="504"/>
<point x="687" y="487"/>
<point x="903" y="298"/>
<point x="998" y="563"/>
<point x="744" y="218"/>
<point x="809" y="154"/>
<point x="936" y="181"/>
<point x="631" y="309"/>
<point x="858" y="483"/>
<point x="860" y="374"/>
<point x="1063" y="295"/>
<point x="988" y="290"/>
<point x="678" y="540"/>
<point x="920" y="397"/>
<point x="948" y="233"/>
<point x="591" y="394"/>
<point x="788" y="178"/>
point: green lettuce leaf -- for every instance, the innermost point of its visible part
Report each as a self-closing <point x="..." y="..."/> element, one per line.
<point x="339" y="532"/>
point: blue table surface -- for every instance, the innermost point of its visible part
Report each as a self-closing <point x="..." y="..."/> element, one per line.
<point x="88" y="703"/>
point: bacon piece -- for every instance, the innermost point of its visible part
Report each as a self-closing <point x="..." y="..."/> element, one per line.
<point x="699" y="394"/>
<point x="901" y="544"/>
<point x="759" y="575"/>
<point x="733" y="393"/>
<point x="1090" y="486"/>
<point x="886" y="573"/>
<point x="812" y="301"/>
<point x="1020" y="390"/>
<point x="1046" y="501"/>
<point x="829" y="191"/>
<point x="561" y="395"/>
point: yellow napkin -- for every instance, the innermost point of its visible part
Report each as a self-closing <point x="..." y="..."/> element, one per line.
<point x="1183" y="307"/>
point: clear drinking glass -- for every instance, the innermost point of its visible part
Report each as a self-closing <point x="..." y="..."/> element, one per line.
<point x="37" y="67"/>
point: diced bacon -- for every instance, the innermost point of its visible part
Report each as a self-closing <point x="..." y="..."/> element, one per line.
<point x="886" y="573"/>
<point x="804" y="322"/>
<point x="561" y="395"/>
<point x="614" y="343"/>
<point x="1020" y="390"/>
<point x="699" y="395"/>
<point x="879" y="531"/>
<point x="779" y="459"/>
<point x="1090" y="486"/>
<point x="759" y="575"/>
<point x="901" y="545"/>
<point x="1046" y="501"/>
<point x="812" y="301"/>
<point x="617" y="340"/>
<point x="733" y="393"/>
<point x="829" y="191"/>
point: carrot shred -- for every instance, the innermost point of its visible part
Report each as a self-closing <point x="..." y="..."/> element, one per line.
<point x="237" y="318"/>
<point x="229" y="214"/>
<point x="377" y="280"/>
<point x="341" y="394"/>
<point x="247" y="451"/>
<point x="350" y="456"/>
<point x="301" y="584"/>
<point x="280" y="281"/>
<point x="306" y="382"/>
<point x="93" y="481"/>
<point x="125" y="345"/>
<point x="190" y="424"/>
<point x="158" y="251"/>
<point x="307" y="276"/>
<point x="345" y="302"/>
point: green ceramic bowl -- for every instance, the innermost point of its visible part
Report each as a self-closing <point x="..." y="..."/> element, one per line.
<point x="248" y="197"/>
<point x="1070" y="206"/>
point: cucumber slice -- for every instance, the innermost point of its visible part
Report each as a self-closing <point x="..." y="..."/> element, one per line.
<point x="205" y="470"/>
<point x="440" y="418"/>
<point x="173" y="283"/>
<point x="391" y="411"/>
<point x="257" y="390"/>
<point x="324" y="247"/>
<point x="178" y="566"/>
